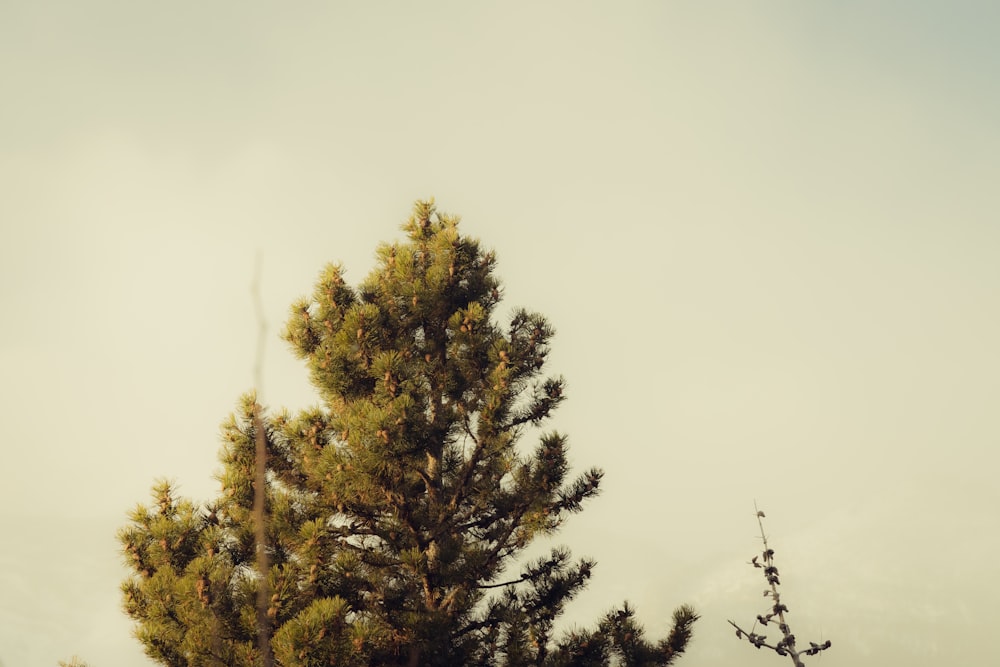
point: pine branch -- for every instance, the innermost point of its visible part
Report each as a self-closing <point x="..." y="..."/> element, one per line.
<point x="512" y="582"/>
<point x="786" y="645"/>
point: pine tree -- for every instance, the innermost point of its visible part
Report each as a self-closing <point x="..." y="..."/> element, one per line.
<point x="396" y="511"/>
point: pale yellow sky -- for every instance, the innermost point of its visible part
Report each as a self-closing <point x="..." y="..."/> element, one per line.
<point x="765" y="232"/>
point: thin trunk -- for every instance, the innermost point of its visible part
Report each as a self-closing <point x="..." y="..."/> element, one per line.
<point x="260" y="515"/>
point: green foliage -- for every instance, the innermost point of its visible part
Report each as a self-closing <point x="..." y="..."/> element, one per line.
<point x="394" y="510"/>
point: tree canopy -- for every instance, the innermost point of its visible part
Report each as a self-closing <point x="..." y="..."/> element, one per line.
<point x="397" y="512"/>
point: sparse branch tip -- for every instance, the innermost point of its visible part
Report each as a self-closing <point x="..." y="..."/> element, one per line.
<point x="786" y="645"/>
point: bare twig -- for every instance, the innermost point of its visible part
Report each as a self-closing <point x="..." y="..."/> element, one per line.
<point x="785" y="646"/>
<point x="260" y="479"/>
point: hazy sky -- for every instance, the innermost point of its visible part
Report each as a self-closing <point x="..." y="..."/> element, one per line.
<point x="766" y="233"/>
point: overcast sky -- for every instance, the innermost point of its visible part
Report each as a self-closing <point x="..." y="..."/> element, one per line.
<point x="765" y="232"/>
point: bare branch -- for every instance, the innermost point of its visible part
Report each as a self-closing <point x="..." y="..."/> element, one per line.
<point x="785" y="646"/>
<point x="260" y="479"/>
